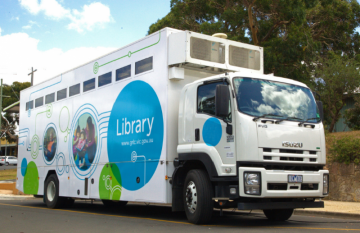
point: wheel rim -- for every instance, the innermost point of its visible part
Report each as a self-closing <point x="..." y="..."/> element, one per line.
<point x="51" y="189"/>
<point x="191" y="197"/>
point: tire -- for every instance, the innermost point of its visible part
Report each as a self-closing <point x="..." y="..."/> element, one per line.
<point x="197" y="197"/>
<point x="51" y="193"/>
<point x="114" y="204"/>
<point x="7" y="163"/>
<point x="278" y="215"/>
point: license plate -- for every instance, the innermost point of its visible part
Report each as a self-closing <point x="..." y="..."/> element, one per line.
<point x="295" y="178"/>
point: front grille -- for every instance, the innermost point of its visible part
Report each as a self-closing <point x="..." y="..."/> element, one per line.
<point x="284" y="186"/>
<point x="291" y="159"/>
<point x="267" y="157"/>
<point x="281" y="166"/>
<point x="272" y="186"/>
<point x="309" y="186"/>
<point x="288" y="151"/>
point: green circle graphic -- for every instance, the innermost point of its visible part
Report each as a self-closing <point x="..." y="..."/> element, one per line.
<point x="31" y="179"/>
<point x="49" y="110"/>
<point x="35" y="144"/>
<point x="110" y="182"/>
<point x="96" y="68"/>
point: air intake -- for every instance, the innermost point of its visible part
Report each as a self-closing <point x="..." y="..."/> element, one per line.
<point x="207" y="50"/>
<point x="244" y="58"/>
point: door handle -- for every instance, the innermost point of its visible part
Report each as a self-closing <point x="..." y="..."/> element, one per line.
<point x="197" y="135"/>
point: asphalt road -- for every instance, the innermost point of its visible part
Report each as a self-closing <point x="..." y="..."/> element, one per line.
<point x="3" y="167"/>
<point x="33" y="216"/>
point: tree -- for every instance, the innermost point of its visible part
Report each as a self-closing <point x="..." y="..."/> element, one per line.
<point x="10" y="120"/>
<point x="293" y="32"/>
<point x="336" y="78"/>
<point x="352" y="115"/>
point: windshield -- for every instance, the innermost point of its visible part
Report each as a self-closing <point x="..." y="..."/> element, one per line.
<point x="257" y="97"/>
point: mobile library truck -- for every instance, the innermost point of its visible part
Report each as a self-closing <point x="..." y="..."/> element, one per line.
<point x="180" y="118"/>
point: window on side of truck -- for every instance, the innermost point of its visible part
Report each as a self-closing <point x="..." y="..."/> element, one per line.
<point x="61" y="94"/>
<point x="206" y="99"/>
<point x="30" y="105"/>
<point x="39" y="102"/>
<point x="144" y="65"/>
<point x="89" y="85"/>
<point x="123" y="72"/>
<point x="49" y="98"/>
<point x="74" y="90"/>
<point x="104" y="79"/>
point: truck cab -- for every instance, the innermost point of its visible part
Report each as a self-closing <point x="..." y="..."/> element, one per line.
<point x="250" y="141"/>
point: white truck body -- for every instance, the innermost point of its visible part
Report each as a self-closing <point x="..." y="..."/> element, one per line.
<point x="128" y="118"/>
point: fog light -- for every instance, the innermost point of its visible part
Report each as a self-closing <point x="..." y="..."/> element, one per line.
<point x="228" y="169"/>
<point x="326" y="184"/>
<point x="252" y="183"/>
<point x="232" y="191"/>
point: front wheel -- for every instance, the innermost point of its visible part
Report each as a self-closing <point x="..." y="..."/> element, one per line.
<point x="278" y="215"/>
<point x="51" y="194"/>
<point x="197" y="198"/>
<point x="7" y="163"/>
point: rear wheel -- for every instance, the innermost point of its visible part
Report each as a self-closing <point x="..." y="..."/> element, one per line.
<point x="197" y="198"/>
<point x="51" y="194"/>
<point x="278" y="215"/>
<point x="110" y="203"/>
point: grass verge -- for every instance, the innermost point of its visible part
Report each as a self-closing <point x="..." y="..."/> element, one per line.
<point x="8" y="174"/>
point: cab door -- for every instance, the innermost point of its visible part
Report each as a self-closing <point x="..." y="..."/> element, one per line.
<point x="210" y="130"/>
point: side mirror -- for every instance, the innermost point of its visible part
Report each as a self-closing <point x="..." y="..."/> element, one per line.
<point x="321" y="109"/>
<point x="222" y="97"/>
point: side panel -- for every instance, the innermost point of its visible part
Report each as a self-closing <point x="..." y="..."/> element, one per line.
<point x="112" y="136"/>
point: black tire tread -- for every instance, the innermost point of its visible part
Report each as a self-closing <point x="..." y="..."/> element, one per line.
<point x="278" y="214"/>
<point x="204" y="189"/>
<point x="58" y="201"/>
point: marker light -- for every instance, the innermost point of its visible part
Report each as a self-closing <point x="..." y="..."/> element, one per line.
<point x="252" y="183"/>
<point x="326" y="184"/>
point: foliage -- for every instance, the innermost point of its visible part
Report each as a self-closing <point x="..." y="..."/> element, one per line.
<point x="13" y="91"/>
<point x="293" y="32"/>
<point x="10" y="120"/>
<point x="346" y="150"/>
<point x="336" y="78"/>
<point x="352" y="115"/>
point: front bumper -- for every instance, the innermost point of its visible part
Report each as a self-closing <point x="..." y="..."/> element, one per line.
<point x="279" y="205"/>
<point x="271" y="178"/>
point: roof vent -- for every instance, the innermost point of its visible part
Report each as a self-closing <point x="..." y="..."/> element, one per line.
<point x="220" y="35"/>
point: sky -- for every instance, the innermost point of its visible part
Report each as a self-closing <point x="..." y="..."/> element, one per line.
<point x="54" y="36"/>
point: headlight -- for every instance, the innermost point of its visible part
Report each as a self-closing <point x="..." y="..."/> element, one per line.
<point x="252" y="183"/>
<point x="326" y="184"/>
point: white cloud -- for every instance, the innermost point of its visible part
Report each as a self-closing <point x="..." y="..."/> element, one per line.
<point x="0" y="31"/>
<point x="51" y="8"/>
<point x="46" y="62"/>
<point x="94" y="15"/>
<point x="31" y="23"/>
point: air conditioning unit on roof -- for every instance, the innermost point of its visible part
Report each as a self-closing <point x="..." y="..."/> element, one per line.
<point x="198" y="51"/>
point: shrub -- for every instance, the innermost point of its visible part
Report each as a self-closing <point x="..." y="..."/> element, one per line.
<point x="346" y="150"/>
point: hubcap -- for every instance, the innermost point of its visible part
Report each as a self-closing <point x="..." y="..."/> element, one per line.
<point x="191" y="197"/>
<point x="51" y="189"/>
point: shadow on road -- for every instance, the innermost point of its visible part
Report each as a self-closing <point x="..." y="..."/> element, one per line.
<point x="229" y="219"/>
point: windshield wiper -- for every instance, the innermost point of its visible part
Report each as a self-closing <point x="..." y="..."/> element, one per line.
<point x="265" y="115"/>
<point x="287" y="118"/>
<point x="313" y="118"/>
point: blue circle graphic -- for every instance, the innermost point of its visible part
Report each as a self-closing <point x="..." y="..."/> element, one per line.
<point x="135" y="134"/>
<point x="212" y="131"/>
<point x="23" y="167"/>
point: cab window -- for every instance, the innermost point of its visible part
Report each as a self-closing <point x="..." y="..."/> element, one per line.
<point x="206" y="99"/>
